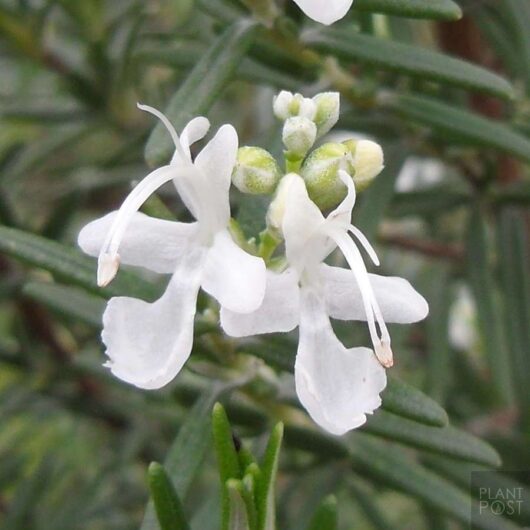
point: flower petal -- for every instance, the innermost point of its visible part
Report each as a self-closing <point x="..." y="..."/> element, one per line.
<point x="398" y="300"/>
<point x="324" y="12"/>
<point x="155" y="244"/>
<point x="194" y="131"/>
<point x="278" y="312"/>
<point x="336" y="385"/>
<point x="147" y="343"/>
<point x="216" y="161"/>
<point x="232" y="276"/>
<point x="302" y="225"/>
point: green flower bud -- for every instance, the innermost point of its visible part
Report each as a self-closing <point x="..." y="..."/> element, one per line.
<point x="256" y="171"/>
<point x="320" y="173"/>
<point x="286" y="105"/>
<point x="368" y="161"/>
<point x="327" y="111"/>
<point x="299" y="135"/>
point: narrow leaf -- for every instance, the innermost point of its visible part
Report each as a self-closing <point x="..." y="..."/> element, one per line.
<point x="375" y="200"/>
<point x="266" y="486"/>
<point x="189" y="449"/>
<point x="483" y="287"/>
<point x="410" y="60"/>
<point x="238" y="517"/>
<point x="227" y="460"/>
<point x="513" y="252"/>
<point x="70" y="264"/>
<point x="447" y="441"/>
<point x="369" y="506"/>
<point x="167" y="503"/>
<point x="202" y="86"/>
<point x="404" y="400"/>
<point x="69" y="301"/>
<point x="433" y="9"/>
<point x="325" y="517"/>
<point x="452" y="124"/>
<point x="439" y="360"/>
<point x="438" y="200"/>
<point x="384" y="463"/>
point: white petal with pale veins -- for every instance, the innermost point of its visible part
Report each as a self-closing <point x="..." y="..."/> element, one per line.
<point x="336" y="385"/>
<point x="232" y="276"/>
<point x="155" y="244"/>
<point x="147" y="343"/>
<point x="278" y="312"/>
<point x="399" y="302"/>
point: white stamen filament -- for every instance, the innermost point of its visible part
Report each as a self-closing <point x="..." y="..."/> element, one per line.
<point x="381" y="340"/>
<point x="108" y="261"/>
<point x="365" y="243"/>
<point x="169" y="126"/>
<point x="346" y="206"/>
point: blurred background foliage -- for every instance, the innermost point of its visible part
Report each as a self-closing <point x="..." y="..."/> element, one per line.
<point x="443" y="87"/>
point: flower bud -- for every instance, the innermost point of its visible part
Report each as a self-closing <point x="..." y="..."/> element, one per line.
<point x="287" y="105"/>
<point x="368" y="161"/>
<point x="277" y="206"/>
<point x="256" y="171"/>
<point x="320" y="173"/>
<point x="281" y="104"/>
<point x="327" y="111"/>
<point x="299" y="135"/>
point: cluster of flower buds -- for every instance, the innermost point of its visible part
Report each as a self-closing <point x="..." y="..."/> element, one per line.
<point x="305" y="120"/>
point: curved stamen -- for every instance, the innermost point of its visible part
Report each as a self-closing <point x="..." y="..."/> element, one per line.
<point x="381" y="340"/>
<point x="108" y="261"/>
<point x="169" y="126"/>
<point x="346" y="206"/>
<point x="365" y="243"/>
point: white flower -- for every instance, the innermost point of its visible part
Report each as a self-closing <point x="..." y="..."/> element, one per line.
<point x="338" y="386"/>
<point x="147" y="343"/>
<point x="325" y="11"/>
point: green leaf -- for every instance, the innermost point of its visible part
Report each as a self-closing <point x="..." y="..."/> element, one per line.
<point x="185" y="55"/>
<point x="452" y="124"/>
<point x="404" y="400"/>
<point x="392" y="468"/>
<point x="376" y="199"/>
<point x="69" y="301"/>
<point x="28" y="495"/>
<point x="326" y="517"/>
<point x="238" y="517"/>
<point x="433" y="9"/>
<point x="202" y="86"/>
<point x="439" y="348"/>
<point x="483" y="288"/>
<point x="460" y="474"/>
<point x="369" y="506"/>
<point x="168" y="507"/>
<point x="189" y="449"/>
<point x="227" y="459"/>
<point x="315" y="441"/>
<point x="410" y="60"/>
<point x="436" y="200"/>
<point x="447" y="441"/>
<point x="519" y="17"/>
<point x="266" y="485"/>
<point x="70" y="264"/>
<point x="513" y="252"/>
